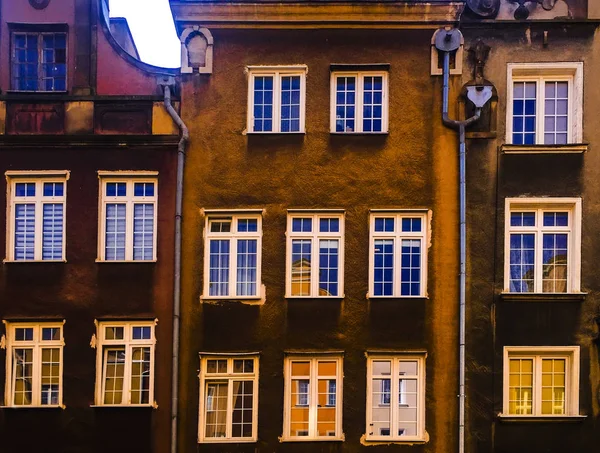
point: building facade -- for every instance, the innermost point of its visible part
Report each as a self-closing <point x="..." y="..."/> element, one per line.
<point x="87" y="186"/>
<point x="320" y="261"/>
<point x="532" y="311"/>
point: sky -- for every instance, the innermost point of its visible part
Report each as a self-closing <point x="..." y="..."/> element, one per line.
<point x="153" y="30"/>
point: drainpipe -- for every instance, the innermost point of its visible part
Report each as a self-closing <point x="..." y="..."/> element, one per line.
<point x="447" y="41"/>
<point x="167" y="83"/>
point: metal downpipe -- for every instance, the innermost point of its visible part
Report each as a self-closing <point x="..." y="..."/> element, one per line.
<point x="177" y="266"/>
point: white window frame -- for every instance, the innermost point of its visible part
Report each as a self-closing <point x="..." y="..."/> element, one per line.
<point x="313" y="401"/>
<point x="571" y="72"/>
<point x="397" y="236"/>
<point x="395" y="358"/>
<point x="315" y="236"/>
<point x="102" y="344"/>
<point x="228" y="377"/>
<point x="234" y="216"/>
<point x="276" y="72"/>
<point x="539" y="205"/>
<point x="569" y="353"/>
<point x="38" y="178"/>
<point x="130" y="178"/>
<point x="37" y="344"/>
<point x="359" y="98"/>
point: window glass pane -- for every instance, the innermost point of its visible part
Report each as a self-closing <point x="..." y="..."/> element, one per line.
<point x="408" y="407"/>
<point x="50" y="376"/>
<point x="299" y="410"/>
<point x="373" y="104"/>
<point x="143" y="231"/>
<point x="243" y="366"/>
<point x="247" y="225"/>
<point x="50" y="333"/>
<point x="522" y="219"/>
<point x="114" y="376"/>
<point x="116" y="189"/>
<point x="556" y="113"/>
<point x="301" y="225"/>
<point x="382" y="368"/>
<point x="115" y="231"/>
<point x="263" y="103"/>
<point x="381" y="415"/>
<point x="219" y="268"/>
<point x="556" y="218"/>
<point x="383" y="284"/>
<point x="410" y="224"/>
<point x="216" y="409"/>
<point x="301" y="267"/>
<point x="329" y="225"/>
<point x="24" y="231"/>
<point x="52" y="231"/>
<point x="328" y="267"/>
<point x="410" y="268"/>
<point x="22" y="376"/>
<point x="25" y="189"/>
<point x="24" y="334"/>
<point x="555" y="263"/>
<point x="520" y="390"/>
<point x="345" y="106"/>
<point x="142" y="333"/>
<point x="524" y="112"/>
<point x="247" y="262"/>
<point x="290" y="103"/>
<point x="383" y="224"/>
<point x="114" y="333"/>
<point x="243" y="407"/>
<point x="140" y="375"/>
<point x="326" y="406"/>
<point x="216" y="366"/>
<point x="143" y="189"/>
<point x="53" y="189"/>
<point x="553" y="386"/>
<point x="522" y="258"/>
<point x="220" y="226"/>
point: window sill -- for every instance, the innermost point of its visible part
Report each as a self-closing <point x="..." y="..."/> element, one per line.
<point x="543" y="297"/>
<point x="398" y="297"/>
<point x="394" y="440"/>
<point x="276" y="133"/>
<point x="98" y="260"/>
<point x="541" y="418"/>
<point x="34" y="92"/>
<point x="359" y="133"/>
<point x="314" y="439"/>
<point x="7" y="261"/>
<point x="54" y="406"/>
<point x="236" y="440"/>
<point x="315" y="297"/>
<point x="124" y="406"/>
<point x="575" y="148"/>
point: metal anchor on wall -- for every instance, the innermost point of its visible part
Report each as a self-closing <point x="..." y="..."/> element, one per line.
<point x="522" y="13"/>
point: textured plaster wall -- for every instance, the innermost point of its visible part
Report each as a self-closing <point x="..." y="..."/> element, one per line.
<point x="81" y="291"/>
<point x="412" y="167"/>
<point x="495" y="323"/>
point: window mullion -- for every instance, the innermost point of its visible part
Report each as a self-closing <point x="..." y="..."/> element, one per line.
<point x="396" y="274"/>
<point x="229" y="415"/>
<point x="129" y="209"/>
<point x="37" y="223"/>
<point x="394" y="399"/>
<point x="539" y="259"/>
<point x="540" y="111"/>
<point x="315" y="265"/>
<point x="358" y="102"/>
<point x="36" y="385"/>
<point x="537" y="386"/>
<point x="313" y="399"/>
<point x="233" y="266"/>
<point x="276" y="103"/>
<point x="127" y="374"/>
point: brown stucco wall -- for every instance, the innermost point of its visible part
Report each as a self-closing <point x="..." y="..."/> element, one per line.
<point x="494" y="323"/>
<point x="81" y="291"/>
<point x="415" y="166"/>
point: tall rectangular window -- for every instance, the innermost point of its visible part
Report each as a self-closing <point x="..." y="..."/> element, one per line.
<point x="232" y="255"/>
<point x="128" y="210"/>
<point x="276" y="98"/>
<point x="396" y="397"/>
<point x="228" y="399"/>
<point x="37" y="206"/>
<point x="398" y="256"/>
<point x="541" y="381"/>
<point x="359" y="102"/>
<point x="39" y="61"/>
<point x="34" y="364"/>
<point x="313" y="398"/>
<point x="125" y="363"/>
<point x="315" y="244"/>
<point x="544" y="103"/>
<point x="542" y="245"/>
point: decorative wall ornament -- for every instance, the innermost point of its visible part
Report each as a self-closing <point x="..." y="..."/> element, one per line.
<point x="522" y="13"/>
<point x="196" y="51"/>
<point x="484" y="8"/>
<point x="39" y="4"/>
<point x="478" y="55"/>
